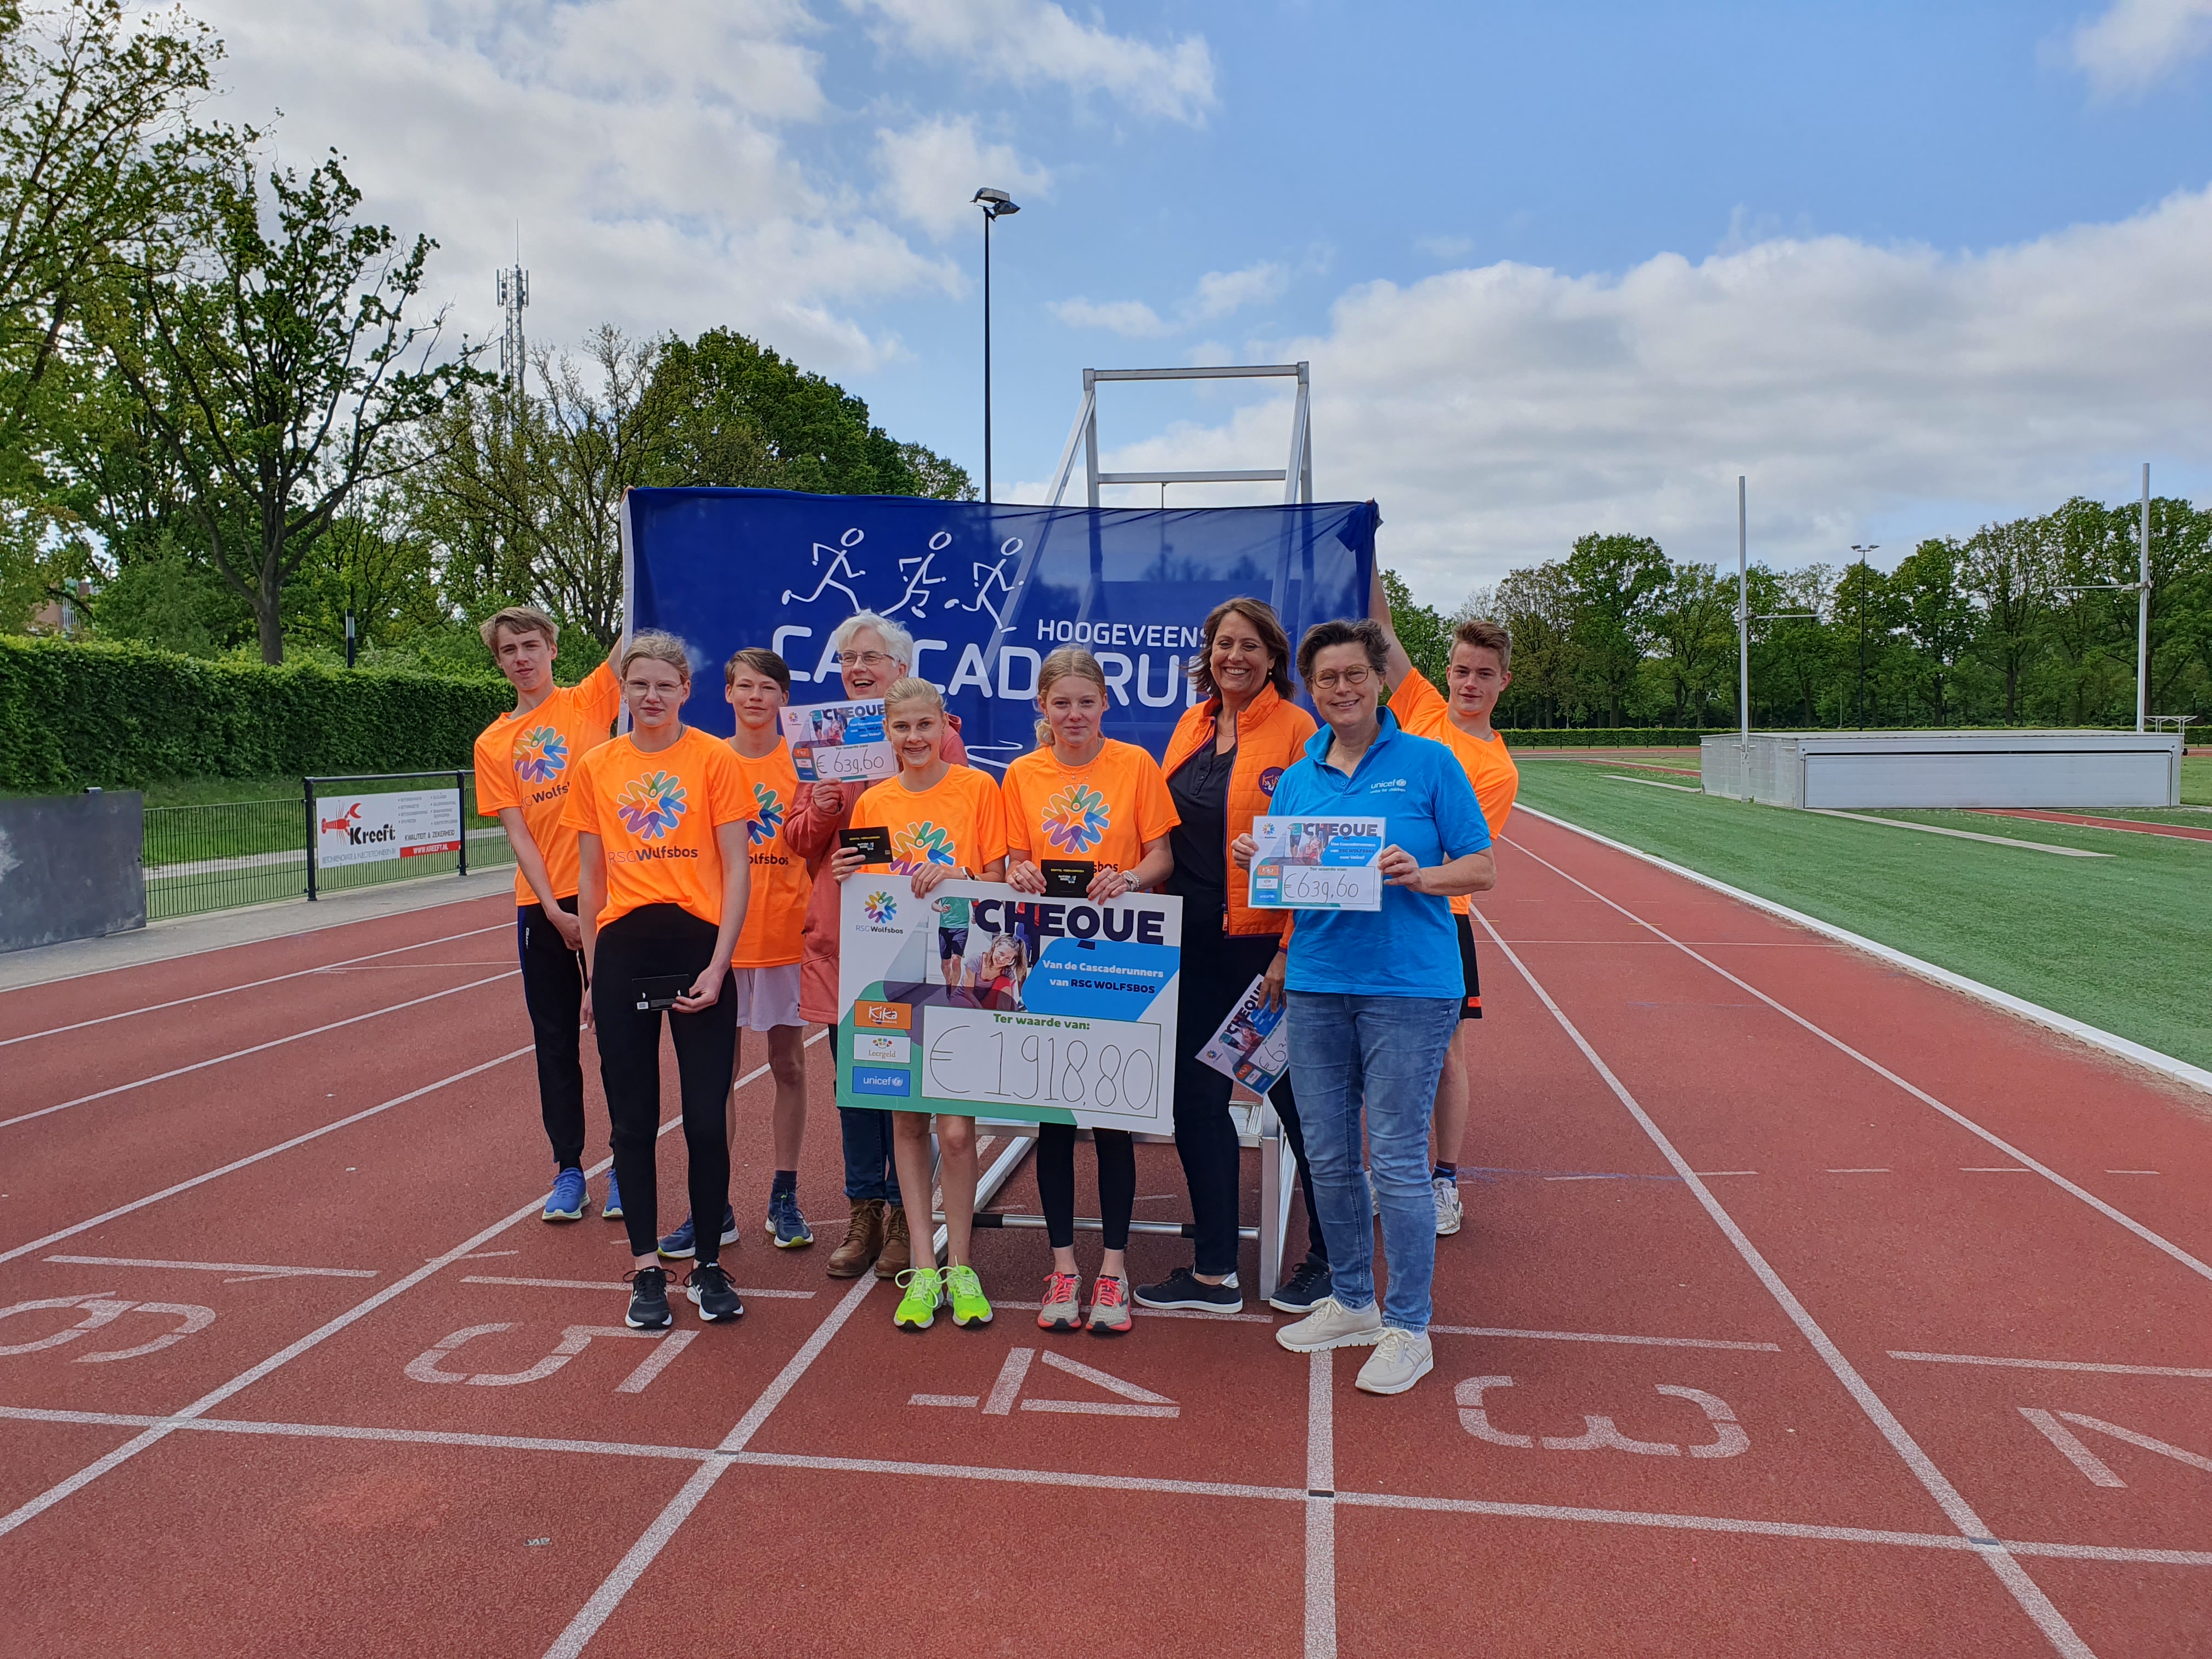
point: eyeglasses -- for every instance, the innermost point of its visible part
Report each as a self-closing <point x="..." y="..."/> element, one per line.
<point x="864" y="658"/>
<point x="1351" y="679"/>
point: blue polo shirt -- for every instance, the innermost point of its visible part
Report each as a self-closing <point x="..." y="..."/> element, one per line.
<point x="1410" y="947"/>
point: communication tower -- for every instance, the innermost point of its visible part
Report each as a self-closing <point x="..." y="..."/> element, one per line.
<point x="514" y="294"/>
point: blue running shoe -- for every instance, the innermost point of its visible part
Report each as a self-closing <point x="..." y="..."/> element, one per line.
<point x="611" y="1210"/>
<point x="786" y="1226"/>
<point x="682" y="1244"/>
<point x="568" y="1198"/>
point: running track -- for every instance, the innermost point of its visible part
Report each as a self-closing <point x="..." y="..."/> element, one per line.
<point x="1803" y="1308"/>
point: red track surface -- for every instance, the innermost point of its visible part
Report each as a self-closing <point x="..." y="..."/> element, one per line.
<point x="2137" y="826"/>
<point x="1739" y="1209"/>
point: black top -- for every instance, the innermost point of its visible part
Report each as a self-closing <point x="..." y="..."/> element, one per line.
<point x="1201" y="842"/>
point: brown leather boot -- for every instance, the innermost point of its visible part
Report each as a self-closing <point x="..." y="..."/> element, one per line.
<point x="898" y="1249"/>
<point x="863" y="1241"/>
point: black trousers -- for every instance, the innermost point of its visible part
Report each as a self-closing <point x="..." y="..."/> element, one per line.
<point x="647" y="943"/>
<point x="1055" y="1179"/>
<point x="553" y="991"/>
<point x="1217" y="968"/>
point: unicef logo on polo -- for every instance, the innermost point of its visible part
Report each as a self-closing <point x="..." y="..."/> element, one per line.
<point x="651" y="806"/>
<point x="540" y="754"/>
<point x="1075" y="819"/>
<point x="767" y="815"/>
<point x="880" y="908"/>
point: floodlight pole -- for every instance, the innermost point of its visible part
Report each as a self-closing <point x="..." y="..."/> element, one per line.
<point x="986" y="355"/>
<point x="1742" y="616"/>
<point x="2143" y="612"/>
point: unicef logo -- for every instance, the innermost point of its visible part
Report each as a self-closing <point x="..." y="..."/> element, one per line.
<point x="880" y="908"/>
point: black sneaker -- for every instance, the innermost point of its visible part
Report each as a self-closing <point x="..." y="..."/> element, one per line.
<point x="1304" y="1290"/>
<point x="648" y="1299"/>
<point x="708" y="1284"/>
<point x="1184" y="1289"/>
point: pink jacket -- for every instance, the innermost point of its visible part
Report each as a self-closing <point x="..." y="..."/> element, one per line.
<point x="817" y="813"/>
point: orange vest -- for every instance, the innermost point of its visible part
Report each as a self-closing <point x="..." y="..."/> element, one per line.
<point x="1271" y="737"/>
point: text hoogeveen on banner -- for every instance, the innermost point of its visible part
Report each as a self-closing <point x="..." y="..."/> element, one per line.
<point x="984" y="1001"/>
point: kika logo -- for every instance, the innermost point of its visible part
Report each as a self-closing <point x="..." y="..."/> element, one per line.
<point x="880" y="908"/>
<point x="540" y="754"/>
<point x="767" y="815"/>
<point x="1075" y="819"/>
<point x="651" y="806"/>
<point x="919" y="844"/>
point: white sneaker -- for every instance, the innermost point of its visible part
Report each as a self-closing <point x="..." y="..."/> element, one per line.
<point x="1448" y="1210"/>
<point x="1400" y="1360"/>
<point x="1333" y="1325"/>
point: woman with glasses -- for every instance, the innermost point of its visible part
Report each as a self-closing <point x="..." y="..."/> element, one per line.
<point x="1375" y="998"/>
<point x="874" y="653"/>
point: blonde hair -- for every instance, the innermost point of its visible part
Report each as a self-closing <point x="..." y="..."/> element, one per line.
<point x="519" y="619"/>
<point x="658" y="646"/>
<point x="911" y="690"/>
<point x="1069" y="662"/>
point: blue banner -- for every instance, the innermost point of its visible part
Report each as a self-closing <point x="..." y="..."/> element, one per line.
<point x="987" y="591"/>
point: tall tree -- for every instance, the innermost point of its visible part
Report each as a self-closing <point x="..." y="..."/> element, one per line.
<point x="273" y="369"/>
<point x="2007" y="570"/>
<point x="1535" y="608"/>
<point x="1693" y="625"/>
<point x="1936" y="615"/>
<point x="1866" y="613"/>
<point x="1613" y="583"/>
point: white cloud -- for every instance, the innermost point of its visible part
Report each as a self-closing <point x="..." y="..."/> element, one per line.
<point x="639" y="143"/>
<point x="1029" y="40"/>
<point x="1498" y="413"/>
<point x="2138" y="43"/>
<point x="1221" y="292"/>
<point x="931" y="171"/>
<point x="1132" y="320"/>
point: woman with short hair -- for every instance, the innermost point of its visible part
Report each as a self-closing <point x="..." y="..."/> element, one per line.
<point x="1375" y="998"/>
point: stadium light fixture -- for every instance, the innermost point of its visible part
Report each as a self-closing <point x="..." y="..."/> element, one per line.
<point x="996" y="205"/>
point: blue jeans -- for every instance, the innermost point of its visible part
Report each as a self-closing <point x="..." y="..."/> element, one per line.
<point x="1386" y="1052"/>
<point x="869" y="1170"/>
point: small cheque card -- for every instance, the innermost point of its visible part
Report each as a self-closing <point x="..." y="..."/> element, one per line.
<point x="1253" y="1045"/>
<point x="1316" y="864"/>
<point x="839" y="743"/>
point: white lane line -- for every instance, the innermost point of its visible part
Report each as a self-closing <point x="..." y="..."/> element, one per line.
<point x="2196" y="1075"/>
<point x="617" y="1285"/>
<point x="2033" y="1601"/>
<point x="253" y="1270"/>
<point x="92" y="1472"/>
<point x="1321" y="1506"/>
<point x="2198" y="1267"/>
<point x="1653" y="783"/>
<point x="237" y="1164"/>
<point x="2051" y="1365"/>
<point x="256" y="984"/>
<point x="2131" y="1172"/>
<point x="1166" y="1313"/>
<point x="1709" y="1174"/>
<point x="347" y="1431"/>
<point x="609" y="1595"/>
<point x="1594" y="1336"/>
<point x="1994" y="1169"/>
<point x="1858" y="1171"/>
<point x="1018" y="1477"/>
<point x="258" y="1047"/>
<point x="1960" y="835"/>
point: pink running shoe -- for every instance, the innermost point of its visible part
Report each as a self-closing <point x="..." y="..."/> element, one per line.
<point x="1110" y="1307"/>
<point x="1063" y="1302"/>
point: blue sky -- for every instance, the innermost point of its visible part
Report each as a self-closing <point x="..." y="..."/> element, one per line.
<point x="1560" y="267"/>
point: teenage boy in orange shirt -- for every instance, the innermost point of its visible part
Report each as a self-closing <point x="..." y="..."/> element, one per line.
<point x="524" y="762"/>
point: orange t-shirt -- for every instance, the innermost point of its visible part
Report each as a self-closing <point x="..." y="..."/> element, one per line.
<point x="962" y="822"/>
<point x="777" y="909"/>
<point x="1105" y="812"/>
<point x="526" y="761"/>
<point x="1422" y="710"/>
<point x="656" y="815"/>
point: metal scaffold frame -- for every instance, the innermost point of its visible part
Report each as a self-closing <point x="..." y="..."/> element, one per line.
<point x="1295" y="475"/>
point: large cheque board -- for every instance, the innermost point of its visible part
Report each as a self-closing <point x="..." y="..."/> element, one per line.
<point x="984" y="1001"/>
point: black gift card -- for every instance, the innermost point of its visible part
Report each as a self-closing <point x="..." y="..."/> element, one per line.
<point x="1066" y="877"/>
<point x="875" y="843"/>
<point x="660" y="990"/>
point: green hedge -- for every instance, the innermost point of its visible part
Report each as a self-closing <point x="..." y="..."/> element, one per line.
<point x="1615" y="737"/>
<point x="73" y="715"/>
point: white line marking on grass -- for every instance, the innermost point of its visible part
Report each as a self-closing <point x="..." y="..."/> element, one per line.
<point x="258" y="1047"/>
<point x="1653" y="783"/>
<point x="2125" y="1048"/>
<point x="1596" y="1336"/>
<point x="2172" y="1068"/>
<point x="236" y="1164"/>
<point x="254" y="985"/>
<point x="2025" y="1591"/>
<point x="2051" y="1365"/>
<point x="609" y="1595"/>
<point x="254" y="1271"/>
<point x="1960" y="835"/>
<point x="617" y="1285"/>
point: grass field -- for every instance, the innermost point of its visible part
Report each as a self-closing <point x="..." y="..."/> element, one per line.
<point x="2118" y="942"/>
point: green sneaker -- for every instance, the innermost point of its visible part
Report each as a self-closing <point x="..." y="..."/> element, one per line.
<point x="970" y="1306"/>
<point x="924" y="1294"/>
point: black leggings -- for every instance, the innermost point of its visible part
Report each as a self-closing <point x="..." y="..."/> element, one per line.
<point x="1055" y="1178"/>
<point x="654" y="940"/>
<point x="553" y="991"/>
